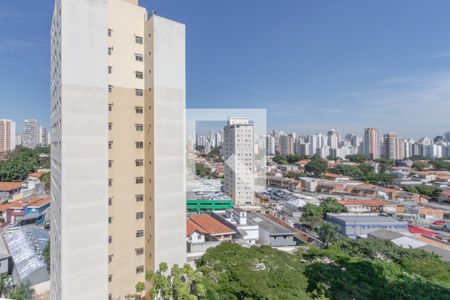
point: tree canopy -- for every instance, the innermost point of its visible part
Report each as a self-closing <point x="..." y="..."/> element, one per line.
<point x="316" y="166"/>
<point x="347" y="269"/>
<point x="23" y="161"/>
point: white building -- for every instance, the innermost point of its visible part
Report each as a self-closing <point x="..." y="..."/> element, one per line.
<point x="30" y="133"/>
<point x="239" y="156"/>
<point x="7" y="135"/>
<point x="270" y="145"/>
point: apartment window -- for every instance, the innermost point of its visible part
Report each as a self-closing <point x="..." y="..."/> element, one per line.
<point x="109" y="201"/>
<point x="110" y="239"/>
<point x="110" y="162"/>
<point x="139" y="180"/>
<point x="110" y="50"/>
<point x="109" y="220"/>
<point x="139" y="39"/>
<point x="110" y="182"/>
<point x="139" y="251"/>
<point x="110" y="258"/>
<point x="139" y="269"/>
<point x="138" y="57"/>
<point x="139" y="198"/>
<point x="109" y="69"/>
<point x="139" y="145"/>
<point x="139" y="127"/>
<point x="109" y="277"/>
<point x="139" y="75"/>
<point x="139" y="162"/>
<point x="139" y="92"/>
<point x="109" y="32"/>
<point x="110" y="87"/>
<point x="139" y="215"/>
<point x="109" y="107"/>
<point x="140" y="233"/>
<point x="139" y="109"/>
<point x="109" y="126"/>
<point x="110" y="143"/>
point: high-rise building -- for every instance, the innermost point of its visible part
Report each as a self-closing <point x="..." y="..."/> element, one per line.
<point x="118" y="138"/>
<point x="392" y="147"/>
<point x="447" y="136"/>
<point x="333" y="139"/>
<point x="43" y="137"/>
<point x="371" y="143"/>
<point x="287" y="143"/>
<point x="30" y="133"/>
<point x="7" y="135"/>
<point x="239" y="156"/>
<point x="270" y="145"/>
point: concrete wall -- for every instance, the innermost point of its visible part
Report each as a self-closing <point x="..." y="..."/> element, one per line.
<point x="79" y="150"/>
<point x="165" y="142"/>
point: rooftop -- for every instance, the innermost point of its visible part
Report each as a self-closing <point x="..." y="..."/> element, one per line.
<point x="269" y="225"/>
<point x="9" y="186"/>
<point x="385" y="234"/>
<point x="209" y="225"/>
<point x="362" y="202"/>
<point x="365" y="219"/>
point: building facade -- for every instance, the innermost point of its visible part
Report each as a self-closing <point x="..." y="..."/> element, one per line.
<point x="123" y="145"/>
<point x="7" y="135"/>
<point x="371" y="143"/>
<point x="30" y="133"/>
<point x="239" y="157"/>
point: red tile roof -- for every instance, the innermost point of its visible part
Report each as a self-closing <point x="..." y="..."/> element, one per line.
<point x="38" y="202"/>
<point x="192" y="227"/>
<point x="9" y="186"/>
<point x="211" y="225"/>
<point x="446" y="193"/>
<point x="37" y="174"/>
<point x="362" y="202"/>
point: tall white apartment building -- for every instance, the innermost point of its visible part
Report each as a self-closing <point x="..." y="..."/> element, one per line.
<point x="287" y="143"/>
<point x="30" y="133"/>
<point x="7" y="135"/>
<point x="333" y="138"/>
<point x="239" y="156"/>
<point x="118" y="147"/>
<point x="270" y="145"/>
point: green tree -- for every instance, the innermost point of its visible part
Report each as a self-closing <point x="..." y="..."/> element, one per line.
<point x="21" y="292"/>
<point x="357" y="158"/>
<point x="379" y="178"/>
<point x="253" y="273"/>
<point x="429" y="191"/>
<point x="316" y="166"/>
<point x="330" y="205"/>
<point x="177" y="283"/>
<point x="347" y="170"/>
<point x="328" y="233"/>
<point x="45" y="179"/>
<point x="421" y="165"/>
<point x="202" y="170"/>
<point x="312" y="216"/>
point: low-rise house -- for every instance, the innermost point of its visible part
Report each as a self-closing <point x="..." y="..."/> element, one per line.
<point x="237" y="220"/>
<point x="368" y="206"/>
<point x="9" y="189"/>
<point x="366" y="190"/>
<point x="428" y="213"/>
<point x="213" y="229"/>
<point x="355" y="226"/>
<point x="336" y="177"/>
<point x="283" y="182"/>
<point x="309" y="184"/>
<point x="426" y="176"/>
<point x="270" y="232"/>
<point x="203" y="232"/>
<point x="16" y="211"/>
<point x="330" y="187"/>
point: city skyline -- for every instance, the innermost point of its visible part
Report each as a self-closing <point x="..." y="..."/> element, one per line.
<point x="402" y="89"/>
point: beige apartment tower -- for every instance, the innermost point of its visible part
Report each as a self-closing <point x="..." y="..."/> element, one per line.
<point x="138" y="118"/>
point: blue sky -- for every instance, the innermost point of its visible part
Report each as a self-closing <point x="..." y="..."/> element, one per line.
<point x="313" y="65"/>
